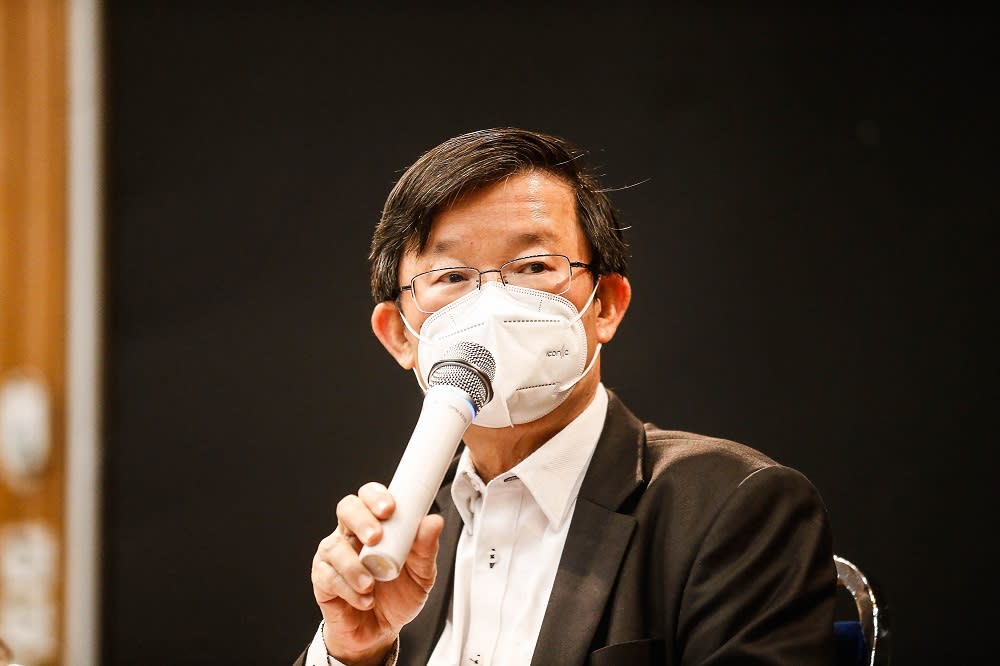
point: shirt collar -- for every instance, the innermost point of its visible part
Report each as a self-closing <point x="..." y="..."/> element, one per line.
<point x="552" y="474"/>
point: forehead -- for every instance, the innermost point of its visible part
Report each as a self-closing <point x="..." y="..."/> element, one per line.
<point x="528" y="212"/>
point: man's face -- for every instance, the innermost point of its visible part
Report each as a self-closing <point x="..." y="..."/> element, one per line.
<point x="527" y="214"/>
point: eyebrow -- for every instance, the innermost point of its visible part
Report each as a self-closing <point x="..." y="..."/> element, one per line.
<point x="521" y="240"/>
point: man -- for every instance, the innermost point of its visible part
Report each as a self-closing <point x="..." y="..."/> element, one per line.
<point x="567" y="532"/>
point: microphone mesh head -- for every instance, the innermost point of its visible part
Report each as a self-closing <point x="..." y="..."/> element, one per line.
<point x="467" y="366"/>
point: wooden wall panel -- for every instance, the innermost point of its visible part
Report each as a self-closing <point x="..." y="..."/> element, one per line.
<point x="33" y="108"/>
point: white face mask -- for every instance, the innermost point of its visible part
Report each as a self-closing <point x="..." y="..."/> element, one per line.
<point x="536" y="338"/>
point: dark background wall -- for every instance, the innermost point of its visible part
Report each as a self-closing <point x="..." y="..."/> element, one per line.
<point x="807" y="259"/>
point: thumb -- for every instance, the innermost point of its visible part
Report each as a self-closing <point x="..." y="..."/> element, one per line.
<point x="421" y="562"/>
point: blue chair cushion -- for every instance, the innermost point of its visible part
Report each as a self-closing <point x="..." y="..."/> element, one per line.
<point x="851" y="648"/>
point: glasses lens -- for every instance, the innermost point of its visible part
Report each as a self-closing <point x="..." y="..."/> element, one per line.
<point x="435" y="289"/>
<point x="545" y="272"/>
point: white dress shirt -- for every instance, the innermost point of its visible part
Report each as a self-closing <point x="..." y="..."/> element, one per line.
<point x="509" y="550"/>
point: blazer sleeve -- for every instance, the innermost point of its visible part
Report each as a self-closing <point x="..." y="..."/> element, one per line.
<point x="763" y="583"/>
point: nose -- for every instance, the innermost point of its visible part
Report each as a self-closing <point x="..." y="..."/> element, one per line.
<point x="483" y="275"/>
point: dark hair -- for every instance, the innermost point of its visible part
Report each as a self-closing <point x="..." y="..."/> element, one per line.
<point x="469" y="162"/>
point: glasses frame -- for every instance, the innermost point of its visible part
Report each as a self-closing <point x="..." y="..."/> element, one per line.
<point x="479" y="280"/>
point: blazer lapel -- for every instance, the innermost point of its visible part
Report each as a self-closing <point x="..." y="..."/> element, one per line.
<point x="596" y="543"/>
<point x="426" y="628"/>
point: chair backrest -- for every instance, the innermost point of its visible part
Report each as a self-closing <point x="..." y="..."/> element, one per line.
<point x="865" y="641"/>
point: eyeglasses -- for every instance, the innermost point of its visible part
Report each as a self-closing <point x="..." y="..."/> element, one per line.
<point x="435" y="289"/>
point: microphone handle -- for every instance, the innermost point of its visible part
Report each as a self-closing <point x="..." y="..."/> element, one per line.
<point x="444" y="418"/>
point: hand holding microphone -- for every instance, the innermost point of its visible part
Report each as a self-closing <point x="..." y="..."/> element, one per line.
<point x="385" y="534"/>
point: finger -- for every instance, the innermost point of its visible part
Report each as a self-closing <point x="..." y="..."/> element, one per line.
<point x="377" y="498"/>
<point x="345" y="560"/>
<point x="337" y="539"/>
<point x="355" y="518"/>
<point x="329" y="585"/>
<point x="422" y="560"/>
<point x="341" y="552"/>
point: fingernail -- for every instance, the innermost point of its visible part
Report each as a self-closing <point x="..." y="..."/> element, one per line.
<point x="365" y="580"/>
<point x="367" y="534"/>
<point x="367" y="600"/>
<point x="382" y="506"/>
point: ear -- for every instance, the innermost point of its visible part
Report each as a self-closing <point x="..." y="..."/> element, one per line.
<point x="387" y="324"/>
<point x="613" y="295"/>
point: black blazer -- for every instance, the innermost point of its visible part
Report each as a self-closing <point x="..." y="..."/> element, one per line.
<point x="683" y="549"/>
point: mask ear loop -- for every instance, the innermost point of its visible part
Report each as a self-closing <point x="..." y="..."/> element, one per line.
<point x="424" y="386"/>
<point x="568" y="385"/>
<point x="420" y="380"/>
<point x="597" y="350"/>
<point x="586" y="305"/>
<point x="406" y="323"/>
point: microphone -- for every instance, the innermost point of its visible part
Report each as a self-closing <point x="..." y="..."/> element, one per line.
<point x="459" y="386"/>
